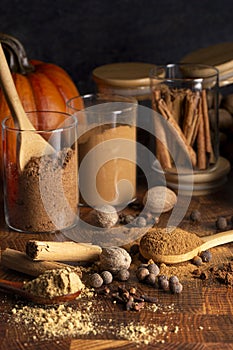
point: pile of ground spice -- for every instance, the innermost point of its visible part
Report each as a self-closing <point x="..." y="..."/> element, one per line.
<point x="54" y="283"/>
<point x="39" y="204"/>
<point x="224" y="274"/>
<point x="162" y="241"/>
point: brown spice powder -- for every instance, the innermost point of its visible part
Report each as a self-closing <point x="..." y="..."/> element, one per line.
<point x="39" y="205"/>
<point x="161" y="241"/>
<point x="224" y="274"/>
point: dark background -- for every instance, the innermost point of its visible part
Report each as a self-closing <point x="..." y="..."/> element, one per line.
<point x="80" y="35"/>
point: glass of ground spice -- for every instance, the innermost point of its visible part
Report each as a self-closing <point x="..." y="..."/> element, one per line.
<point x="185" y="97"/>
<point x="42" y="194"/>
<point x="106" y="147"/>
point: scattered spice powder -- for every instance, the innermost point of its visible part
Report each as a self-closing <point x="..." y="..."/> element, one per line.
<point x="83" y="318"/>
<point x="184" y="271"/>
<point x="169" y="242"/>
<point x="54" y="322"/>
<point x="142" y="334"/>
<point x="54" y="283"/>
<point x="64" y="320"/>
<point x="224" y="274"/>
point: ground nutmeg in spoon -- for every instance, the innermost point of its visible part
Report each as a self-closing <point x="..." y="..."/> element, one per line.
<point x="161" y="241"/>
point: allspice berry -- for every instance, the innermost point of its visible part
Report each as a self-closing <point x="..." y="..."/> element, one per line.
<point x="221" y="223"/>
<point x="197" y="260"/>
<point x="107" y="277"/>
<point x="206" y="256"/>
<point x="153" y="268"/>
<point x="104" y="216"/>
<point x="96" y="280"/>
<point x="114" y="259"/>
<point x="141" y="273"/>
<point x="123" y="275"/>
<point x="195" y="216"/>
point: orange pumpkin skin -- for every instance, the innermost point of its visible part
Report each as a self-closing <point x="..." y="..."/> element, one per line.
<point x="41" y="86"/>
<point x="48" y="87"/>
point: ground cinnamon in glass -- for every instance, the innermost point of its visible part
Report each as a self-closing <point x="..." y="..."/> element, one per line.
<point x="37" y="203"/>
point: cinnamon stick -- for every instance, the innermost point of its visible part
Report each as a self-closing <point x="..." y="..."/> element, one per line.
<point x="177" y="104"/>
<point x="191" y="116"/>
<point x="168" y="116"/>
<point x="162" y="153"/>
<point x="19" y="261"/>
<point x="209" y="148"/>
<point x="201" y="146"/>
<point x="62" y="251"/>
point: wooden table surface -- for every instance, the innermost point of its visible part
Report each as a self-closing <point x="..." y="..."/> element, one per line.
<point x="201" y="317"/>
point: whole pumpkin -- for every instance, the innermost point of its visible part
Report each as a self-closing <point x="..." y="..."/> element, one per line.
<point x="41" y="86"/>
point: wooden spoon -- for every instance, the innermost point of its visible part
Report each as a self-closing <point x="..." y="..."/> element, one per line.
<point x="31" y="144"/>
<point x="17" y="288"/>
<point x="208" y="242"/>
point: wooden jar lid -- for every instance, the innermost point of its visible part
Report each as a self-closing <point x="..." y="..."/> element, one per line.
<point x="123" y="75"/>
<point x="219" y="55"/>
<point x="201" y="183"/>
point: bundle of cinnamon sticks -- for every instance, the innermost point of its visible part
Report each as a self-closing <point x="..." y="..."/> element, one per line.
<point x="186" y="112"/>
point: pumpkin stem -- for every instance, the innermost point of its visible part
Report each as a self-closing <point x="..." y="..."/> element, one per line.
<point x="18" y="61"/>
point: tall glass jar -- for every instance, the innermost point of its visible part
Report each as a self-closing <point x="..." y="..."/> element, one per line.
<point x="185" y="96"/>
<point x="130" y="79"/>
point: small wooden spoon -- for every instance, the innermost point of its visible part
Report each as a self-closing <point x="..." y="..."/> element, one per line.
<point x="17" y="288"/>
<point x="31" y="144"/>
<point x="208" y="242"/>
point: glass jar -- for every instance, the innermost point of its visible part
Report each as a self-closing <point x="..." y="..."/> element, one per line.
<point x="106" y="148"/>
<point x="185" y="98"/>
<point x="131" y="79"/>
<point x="220" y="56"/>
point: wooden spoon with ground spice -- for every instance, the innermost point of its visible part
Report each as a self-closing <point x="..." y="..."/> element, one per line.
<point x="51" y="287"/>
<point x="177" y="245"/>
<point x="31" y="143"/>
<point x="17" y="288"/>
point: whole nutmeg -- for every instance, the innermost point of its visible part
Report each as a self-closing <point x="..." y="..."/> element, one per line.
<point x="114" y="259"/>
<point x="104" y="216"/>
<point x="159" y="199"/>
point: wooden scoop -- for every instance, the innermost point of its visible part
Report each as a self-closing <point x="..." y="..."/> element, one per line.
<point x="31" y="144"/>
<point x="208" y="242"/>
<point x="17" y="289"/>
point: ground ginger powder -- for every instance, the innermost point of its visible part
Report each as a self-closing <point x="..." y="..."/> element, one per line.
<point x="55" y="282"/>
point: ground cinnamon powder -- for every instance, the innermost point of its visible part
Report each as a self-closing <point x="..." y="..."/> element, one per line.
<point x="162" y="241"/>
<point x="54" y="177"/>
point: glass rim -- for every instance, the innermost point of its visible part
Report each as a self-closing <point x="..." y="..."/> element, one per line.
<point x="213" y="71"/>
<point x="59" y="129"/>
<point x="102" y="96"/>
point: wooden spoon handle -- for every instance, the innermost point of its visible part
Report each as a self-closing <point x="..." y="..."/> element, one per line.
<point x="217" y="239"/>
<point x="10" y="285"/>
<point x="11" y="94"/>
